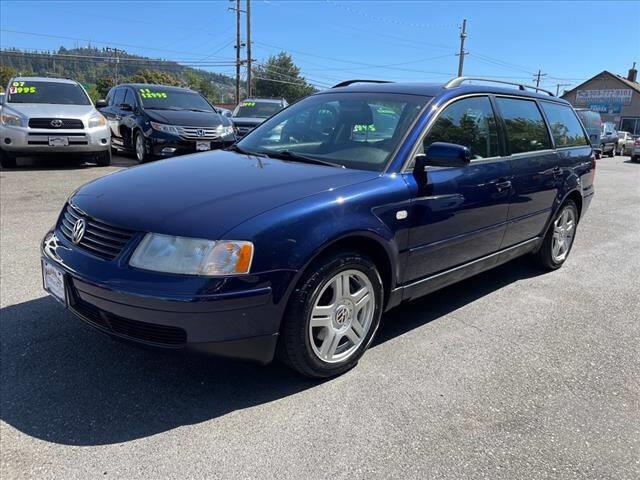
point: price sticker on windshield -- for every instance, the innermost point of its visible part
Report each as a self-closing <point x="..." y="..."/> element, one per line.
<point x="146" y="93"/>
<point x="20" y="87"/>
<point x="249" y="104"/>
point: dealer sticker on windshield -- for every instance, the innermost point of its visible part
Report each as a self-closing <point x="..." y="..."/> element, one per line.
<point x="146" y="93"/>
<point x="20" y="87"/>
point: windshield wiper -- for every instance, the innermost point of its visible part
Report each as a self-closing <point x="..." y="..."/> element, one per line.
<point x="236" y="148"/>
<point x="297" y="157"/>
<point x="162" y="108"/>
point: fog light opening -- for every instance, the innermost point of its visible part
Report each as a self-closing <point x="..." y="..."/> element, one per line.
<point x="7" y="141"/>
<point x="169" y="150"/>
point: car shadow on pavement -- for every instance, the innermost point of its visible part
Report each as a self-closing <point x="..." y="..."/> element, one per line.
<point x="63" y="382"/>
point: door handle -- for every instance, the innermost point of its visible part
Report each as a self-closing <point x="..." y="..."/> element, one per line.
<point x="503" y="184"/>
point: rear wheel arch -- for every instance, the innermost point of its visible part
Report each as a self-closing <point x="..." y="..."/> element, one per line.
<point x="576" y="196"/>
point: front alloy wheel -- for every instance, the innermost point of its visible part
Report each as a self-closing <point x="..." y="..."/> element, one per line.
<point x="332" y="315"/>
<point x="141" y="149"/>
<point x="342" y="316"/>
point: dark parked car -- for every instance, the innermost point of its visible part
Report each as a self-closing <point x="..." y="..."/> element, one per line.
<point x="253" y="111"/>
<point x="608" y="139"/>
<point x="593" y="124"/>
<point x="161" y="121"/>
<point x="300" y="236"/>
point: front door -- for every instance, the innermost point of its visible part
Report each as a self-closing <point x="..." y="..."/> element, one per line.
<point x="460" y="213"/>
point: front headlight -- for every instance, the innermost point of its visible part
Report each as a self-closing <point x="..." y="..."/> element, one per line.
<point x="192" y="256"/>
<point x="161" y="127"/>
<point x="97" y="121"/>
<point x="224" y="131"/>
<point x="11" y="120"/>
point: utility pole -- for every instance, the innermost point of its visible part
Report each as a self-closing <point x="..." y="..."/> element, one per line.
<point x="558" y="85"/>
<point x="538" y="76"/>
<point x="249" y="48"/>
<point x="463" y="35"/>
<point x="116" y="51"/>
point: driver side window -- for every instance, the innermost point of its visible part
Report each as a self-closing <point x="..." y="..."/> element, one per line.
<point x="469" y="122"/>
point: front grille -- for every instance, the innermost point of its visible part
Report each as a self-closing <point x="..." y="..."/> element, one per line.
<point x="72" y="123"/>
<point x="151" y="333"/>
<point x="198" y="133"/>
<point x="101" y="239"/>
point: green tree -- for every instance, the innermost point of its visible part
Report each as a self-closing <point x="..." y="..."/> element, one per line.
<point x="103" y="85"/>
<point x="279" y="77"/>
<point x="5" y="75"/>
<point x="154" y="76"/>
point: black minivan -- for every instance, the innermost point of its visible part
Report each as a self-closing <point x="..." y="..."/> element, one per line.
<point x="161" y="121"/>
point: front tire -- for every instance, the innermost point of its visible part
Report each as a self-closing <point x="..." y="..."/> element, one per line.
<point x="103" y="159"/>
<point x="7" y="160"/>
<point x="140" y="145"/>
<point x="558" y="241"/>
<point x="332" y="315"/>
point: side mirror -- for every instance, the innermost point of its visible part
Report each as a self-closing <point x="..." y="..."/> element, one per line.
<point x="101" y="103"/>
<point x="126" y="107"/>
<point x="441" y="154"/>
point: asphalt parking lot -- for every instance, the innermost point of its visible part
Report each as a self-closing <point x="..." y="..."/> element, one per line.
<point x="512" y="374"/>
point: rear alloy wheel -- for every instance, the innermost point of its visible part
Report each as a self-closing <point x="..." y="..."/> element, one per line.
<point x="333" y="316"/>
<point x="103" y="159"/>
<point x="7" y="160"/>
<point x="559" y="238"/>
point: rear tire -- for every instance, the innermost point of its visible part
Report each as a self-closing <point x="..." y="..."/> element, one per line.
<point x="559" y="238"/>
<point x="7" y="160"/>
<point x="612" y="153"/>
<point x="103" y="159"/>
<point x="327" y="327"/>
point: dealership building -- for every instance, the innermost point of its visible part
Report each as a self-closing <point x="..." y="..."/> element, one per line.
<point x="615" y="97"/>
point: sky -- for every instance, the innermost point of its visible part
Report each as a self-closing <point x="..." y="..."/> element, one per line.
<point x="336" y="40"/>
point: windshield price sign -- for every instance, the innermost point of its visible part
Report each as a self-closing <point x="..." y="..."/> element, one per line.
<point x="20" y="87"/>
<point x="146" y="93"/>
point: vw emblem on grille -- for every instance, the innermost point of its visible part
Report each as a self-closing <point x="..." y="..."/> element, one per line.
<point x="56" y="123"/>
<point x="78" y="231"/>
<point x="200" y="132"/>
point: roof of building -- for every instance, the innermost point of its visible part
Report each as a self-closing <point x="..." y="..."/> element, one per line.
<point x="633" y="85"/>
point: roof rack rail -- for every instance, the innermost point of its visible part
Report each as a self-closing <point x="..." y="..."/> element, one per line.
<point x="456" y="82"/>
<point x="349" y="82"/>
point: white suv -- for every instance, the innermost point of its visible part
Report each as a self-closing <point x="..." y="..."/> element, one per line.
<point x="42" y="115"/>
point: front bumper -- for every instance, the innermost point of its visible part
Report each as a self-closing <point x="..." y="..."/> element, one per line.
<point x="28" y="141"/>
<point x="165" y="145"/>
<point x="235" y="317"/>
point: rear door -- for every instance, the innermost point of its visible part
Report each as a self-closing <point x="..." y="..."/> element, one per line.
<point x="537" y="176"/>
<point x="460" y="214"/>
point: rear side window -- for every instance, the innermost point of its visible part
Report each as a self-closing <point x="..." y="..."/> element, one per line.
<point x="526" y="130"/>
<point x="565" y="126"/>
<point x="469" y="122"/>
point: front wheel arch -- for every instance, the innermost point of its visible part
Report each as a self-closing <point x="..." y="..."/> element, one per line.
<point x="365" y="243"/>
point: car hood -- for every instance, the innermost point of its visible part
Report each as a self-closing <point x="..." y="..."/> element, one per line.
<point x="247" y="120"/>
<point x="47" y="110"/>
<point x="185" y="118"/>
<point x="205" y="195"/>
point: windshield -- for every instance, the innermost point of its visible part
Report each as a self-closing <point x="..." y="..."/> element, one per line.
<point x="253" y="109"/>
<point x="590" y="119"/>
<point x="353" y="130"/>
<point x="168" y="99"/>
<point x="58" y="93"/>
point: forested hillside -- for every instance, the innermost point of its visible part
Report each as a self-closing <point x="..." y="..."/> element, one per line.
<point x="96" y="69"/>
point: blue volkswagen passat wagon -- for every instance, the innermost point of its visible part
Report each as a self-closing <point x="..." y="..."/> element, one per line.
<point x="347" y="203"/>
